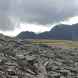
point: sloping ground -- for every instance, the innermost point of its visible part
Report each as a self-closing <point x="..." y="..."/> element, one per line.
<point x="21" y="59"/>
<point x="58" y="32"/>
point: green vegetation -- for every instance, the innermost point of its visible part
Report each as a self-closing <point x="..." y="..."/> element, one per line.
<point x="63" y="43"/>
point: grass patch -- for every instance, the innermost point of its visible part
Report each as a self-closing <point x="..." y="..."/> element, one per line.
<point x="65" y="43"/>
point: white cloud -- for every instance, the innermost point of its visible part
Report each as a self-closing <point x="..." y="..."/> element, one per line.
<point x="27" y="27"/>
<point x="70" y="21"/>
<point x="37" y="28"/>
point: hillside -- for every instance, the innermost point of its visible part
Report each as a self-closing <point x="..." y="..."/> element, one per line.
<point x="59" y="32"/>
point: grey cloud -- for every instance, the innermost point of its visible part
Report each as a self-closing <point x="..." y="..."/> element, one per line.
<point x="6" y="23"/>
<point x="49" y="11"/>
<point x="36" y="11"/>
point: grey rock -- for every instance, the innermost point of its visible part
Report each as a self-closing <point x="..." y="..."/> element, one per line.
<point x="22" y="59"/>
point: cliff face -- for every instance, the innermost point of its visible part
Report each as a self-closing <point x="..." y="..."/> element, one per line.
<point x="21" y="59"/>
<point x="59" y="32"/>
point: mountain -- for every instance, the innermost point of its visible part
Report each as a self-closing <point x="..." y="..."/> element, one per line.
<point x="27" y="35"/>
<point x="60" y="32"/>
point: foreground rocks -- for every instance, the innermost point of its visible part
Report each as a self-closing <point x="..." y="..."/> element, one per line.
<point x="21" y="59"/>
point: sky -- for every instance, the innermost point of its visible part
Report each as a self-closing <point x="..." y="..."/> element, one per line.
<point x="35" y="15"/>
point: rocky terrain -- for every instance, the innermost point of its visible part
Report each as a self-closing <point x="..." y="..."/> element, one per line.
<point x="22" y="59"/>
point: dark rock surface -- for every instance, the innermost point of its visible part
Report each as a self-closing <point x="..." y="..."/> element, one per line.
<point x="21" y="59"/>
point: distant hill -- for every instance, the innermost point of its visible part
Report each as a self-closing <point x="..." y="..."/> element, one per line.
<point x="59" y="32"/>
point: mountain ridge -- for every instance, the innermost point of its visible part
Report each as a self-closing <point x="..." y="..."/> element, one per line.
<point x="59" y="32"/>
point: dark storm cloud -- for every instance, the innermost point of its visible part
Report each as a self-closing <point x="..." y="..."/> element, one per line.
<point x="47" y="11"/>
<point x="36" y="11"/>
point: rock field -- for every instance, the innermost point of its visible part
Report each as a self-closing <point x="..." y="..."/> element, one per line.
<point x="22" y="59"/>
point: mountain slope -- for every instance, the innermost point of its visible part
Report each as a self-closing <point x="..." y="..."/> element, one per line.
<point x="63" y="32"/>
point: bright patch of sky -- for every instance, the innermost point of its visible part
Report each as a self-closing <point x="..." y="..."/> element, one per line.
<point x="70" y="21"/>
<point x="27" y="27"/>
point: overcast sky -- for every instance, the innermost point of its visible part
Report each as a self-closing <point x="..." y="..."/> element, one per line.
<point x="40" y="12"/>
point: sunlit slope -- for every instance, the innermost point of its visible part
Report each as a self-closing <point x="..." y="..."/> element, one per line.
<point x="57" y="43"/>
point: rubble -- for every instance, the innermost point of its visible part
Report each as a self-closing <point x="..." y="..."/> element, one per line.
<point x="21" y="59"/>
